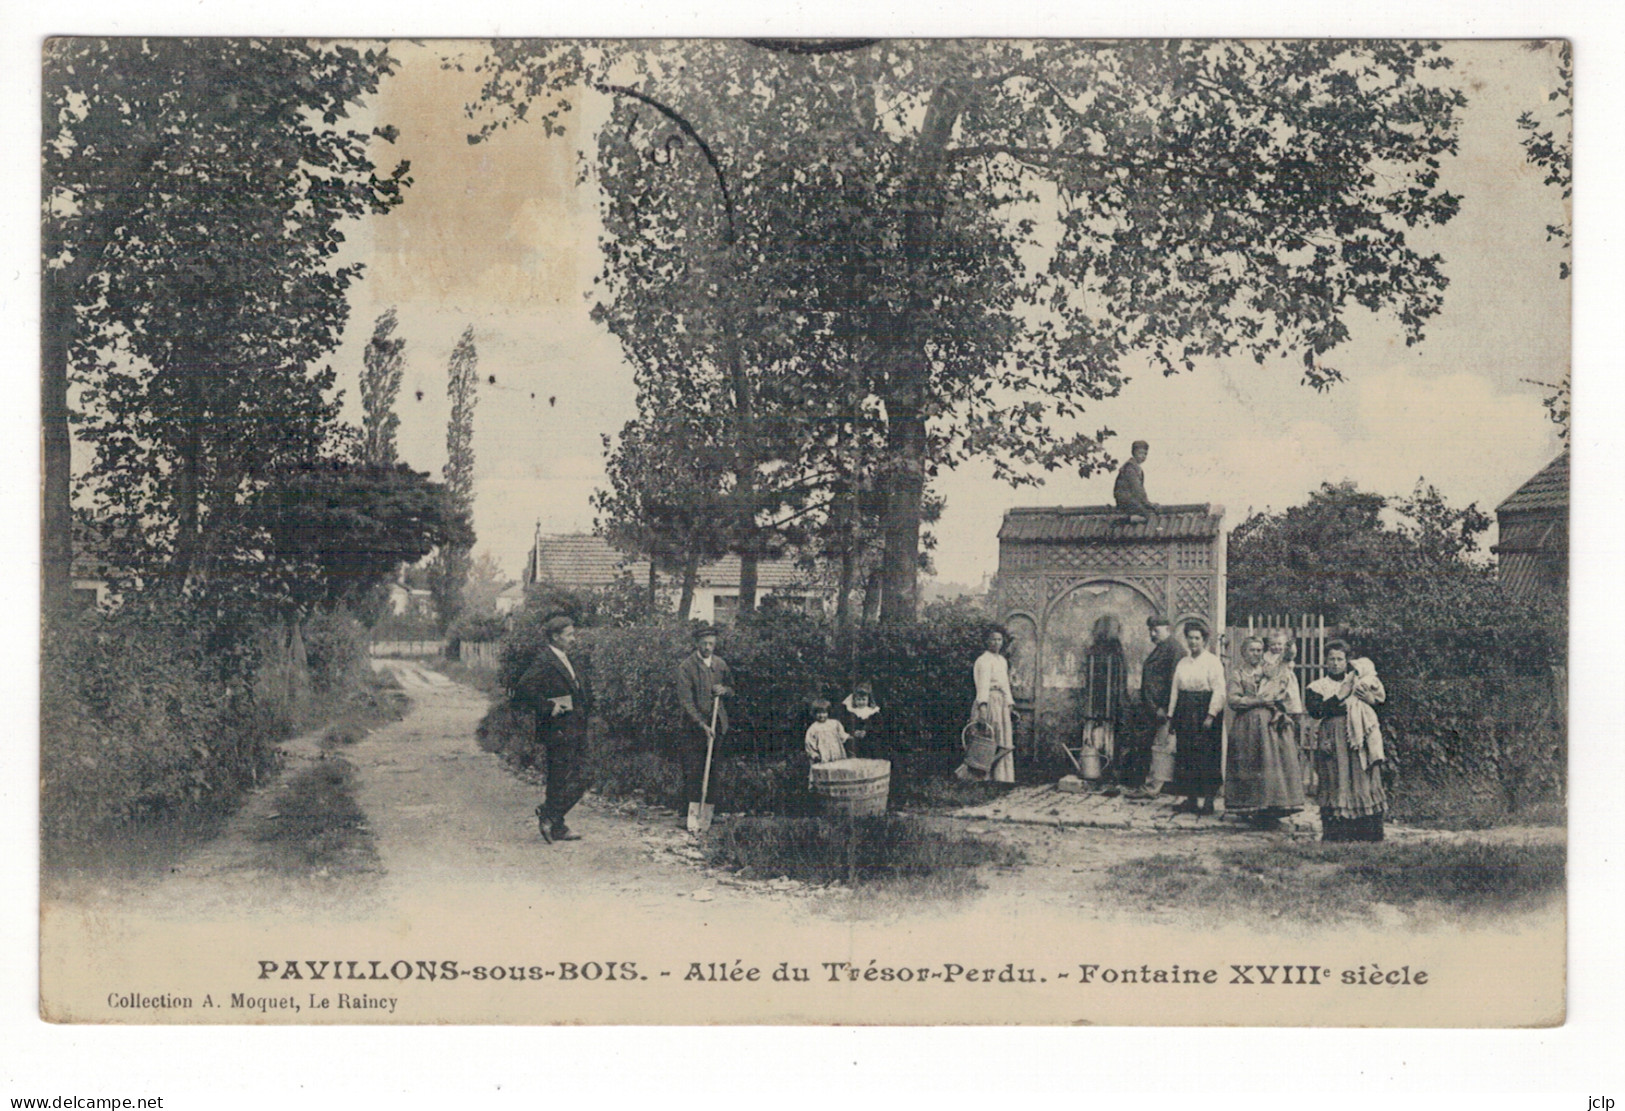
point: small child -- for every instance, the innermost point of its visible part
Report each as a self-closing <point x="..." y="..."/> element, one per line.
<point x="826" y="738"/>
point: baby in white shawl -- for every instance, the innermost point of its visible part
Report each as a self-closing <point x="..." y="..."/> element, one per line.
<point x="1359" y="690"/>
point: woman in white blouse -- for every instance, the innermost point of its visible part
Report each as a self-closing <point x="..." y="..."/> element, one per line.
<point x="1196" y="717"/>
<point x="992" y="674"/>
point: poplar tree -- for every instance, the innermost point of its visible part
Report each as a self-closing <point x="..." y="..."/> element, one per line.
<point x="449" y="570"/>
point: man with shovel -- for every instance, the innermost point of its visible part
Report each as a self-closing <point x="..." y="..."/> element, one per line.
<point x="703" y="681"/>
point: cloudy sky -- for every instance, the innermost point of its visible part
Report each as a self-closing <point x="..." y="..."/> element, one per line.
<point x="500" y="236"/>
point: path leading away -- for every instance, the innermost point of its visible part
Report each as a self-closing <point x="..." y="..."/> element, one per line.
<point x="438" y="859"/>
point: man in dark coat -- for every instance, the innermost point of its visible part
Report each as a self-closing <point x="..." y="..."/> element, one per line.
<point x="702" y="678"/>
<point x="560" y="696"/>
<point x="1130" y="489"/>
<point x="1156" y="685"/>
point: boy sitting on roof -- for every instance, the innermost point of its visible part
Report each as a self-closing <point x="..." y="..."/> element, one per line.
<point x="1130" y="488"/>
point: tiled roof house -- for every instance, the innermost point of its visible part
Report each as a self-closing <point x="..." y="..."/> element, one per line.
<point x="1533" y="549"/>
<point x="582" y="560"/>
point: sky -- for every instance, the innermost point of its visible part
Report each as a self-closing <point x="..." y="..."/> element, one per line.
<point x="503" y="236"/>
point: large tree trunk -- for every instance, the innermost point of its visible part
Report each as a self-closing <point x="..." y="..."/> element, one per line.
<point x="905" y="497"/>
<point x="56" y="523"/>
<point x="872" y="591"/>
<point x="747" y="580"/>
<point x="843" y="592"/>
<point x="910" y="368"/>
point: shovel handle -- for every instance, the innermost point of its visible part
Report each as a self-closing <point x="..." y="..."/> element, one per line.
<point x="710" y="744"/>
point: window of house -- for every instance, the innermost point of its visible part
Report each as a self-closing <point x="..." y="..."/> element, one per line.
<point x="725" y="609"/>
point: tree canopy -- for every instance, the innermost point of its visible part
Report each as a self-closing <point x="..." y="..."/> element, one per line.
<point x="194" y="196"/>
<point x="335" y="529"/>
<point x="1367" y="559"/>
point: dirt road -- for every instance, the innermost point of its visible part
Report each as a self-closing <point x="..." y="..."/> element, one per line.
<point x="435" y="814"/>
<point x="411" y="850"/>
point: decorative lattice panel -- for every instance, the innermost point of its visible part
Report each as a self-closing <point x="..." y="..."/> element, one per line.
<point x="1192" y="596"/>
<point x="1021" y="593"/>
<point x="1154" y="587"/>
<point x="1191" y="556"/>
<point x="1092" y="556"/>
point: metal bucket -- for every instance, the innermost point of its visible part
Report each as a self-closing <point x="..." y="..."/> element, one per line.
<point x="980" y="747"/>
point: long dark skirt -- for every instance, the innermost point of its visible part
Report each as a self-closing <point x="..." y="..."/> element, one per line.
<point x="1198" y="751"/>
<point x="1262" y="773"/>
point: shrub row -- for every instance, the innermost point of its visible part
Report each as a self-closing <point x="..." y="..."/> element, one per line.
<point x="921" y="675"/>
<point x="1481" y="707"/>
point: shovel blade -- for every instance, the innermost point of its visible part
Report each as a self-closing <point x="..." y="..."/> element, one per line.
<point x="699" y="817"/>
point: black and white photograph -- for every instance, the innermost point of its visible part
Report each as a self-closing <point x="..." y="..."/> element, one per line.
<point x="803" y="531"/>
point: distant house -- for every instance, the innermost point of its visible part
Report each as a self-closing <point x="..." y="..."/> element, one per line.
<point x="91" y="589"/>
<point x="406" y="600"/>
<point x="581" y="560"/>
<point x="1532" y="553"/>
<point x="511" y="599"/>
<point x="92" y="572"/>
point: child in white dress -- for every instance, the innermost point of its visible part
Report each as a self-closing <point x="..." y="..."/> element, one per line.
<point x="826" y="737"/>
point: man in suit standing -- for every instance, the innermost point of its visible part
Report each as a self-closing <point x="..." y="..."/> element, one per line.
<point x="561" y="697"/>
<point x="702" y="678"/>
<point x="1156" y="683"/>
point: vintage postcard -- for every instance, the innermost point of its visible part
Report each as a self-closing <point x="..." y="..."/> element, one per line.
<point x="810" y="531"/>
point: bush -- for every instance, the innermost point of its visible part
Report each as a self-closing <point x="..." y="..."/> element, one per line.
<point x="476" y="629"/>
<point x="1483" y="707"/>
<point x="858" y="852"/>
<point x="132" y="722"/>
<point x="336" y="651"/>
<point x="156" y="710"/>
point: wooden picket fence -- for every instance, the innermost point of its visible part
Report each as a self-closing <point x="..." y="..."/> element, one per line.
<point x="480" y="653"/>
<point x="410" y="649"/>
<point x="1309" y="633"/>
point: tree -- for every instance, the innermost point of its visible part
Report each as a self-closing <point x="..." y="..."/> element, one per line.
<point x="381" y="370"/>
<point x="666" y="497"/>
<point x="486" y="581"/>
<point x="449" y="571"/>
<point x="1021" y="222"/>
<point x="1550" y="146"/>
<point x="1336" y="555"/>
<point x="336" y="529"/>
<point x="193" y="195"/>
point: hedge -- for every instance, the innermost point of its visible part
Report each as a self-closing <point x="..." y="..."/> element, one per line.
<point x="144" y="713"/>
<point x="1485" y="707"/>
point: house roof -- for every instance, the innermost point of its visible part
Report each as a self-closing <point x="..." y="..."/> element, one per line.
<point x="1055" y="524"/>
<point x="582" y="559"/>
<point x="770" y="573"/>
<point x="1547" y="490"/>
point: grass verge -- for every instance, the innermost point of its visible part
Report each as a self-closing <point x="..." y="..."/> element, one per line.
<point x="143" y="849"/>
<point x="483" y="679"/>
<point x="893" y="852"/>
<point x="1318" y="883"/>
<point x="315" y="827"/>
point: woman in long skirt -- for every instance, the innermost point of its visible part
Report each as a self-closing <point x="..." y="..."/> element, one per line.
<point x="1348" y="747"/>
<point x="1196" y="713"/>
<point x="992" y="673"/>
<point x="1262" y="780"/>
